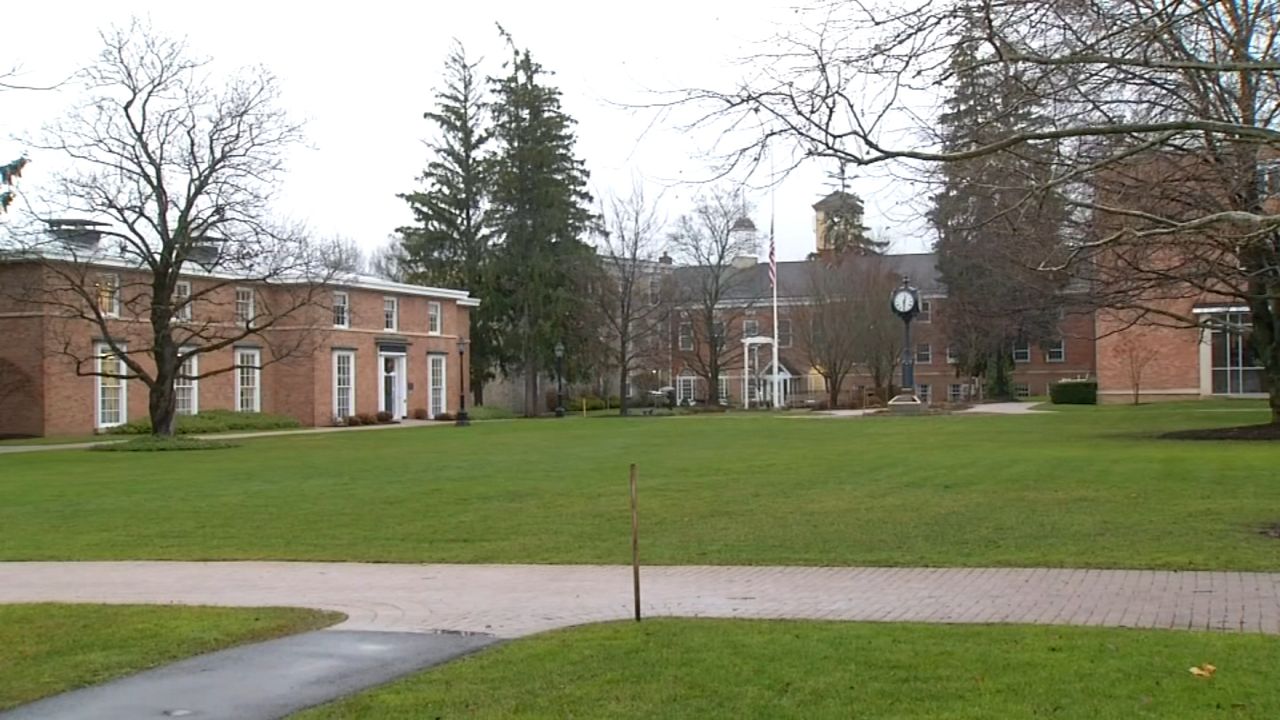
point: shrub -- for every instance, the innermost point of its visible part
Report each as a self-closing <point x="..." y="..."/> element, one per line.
<point x="383" y="417"/>
<point x="149" y="443"/>
<point x="614" y="401"/>
<point x="421" y="414"/>
<point x="354" y="421"/>
<point x="1074" y="392"/>
<point x="444" y="417"/>
<point x="367" y="419"/>
<point x="213" y="421"/>
<point x="486" y="412"/>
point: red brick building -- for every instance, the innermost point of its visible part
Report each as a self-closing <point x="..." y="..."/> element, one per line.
<point x="362" y="345"/>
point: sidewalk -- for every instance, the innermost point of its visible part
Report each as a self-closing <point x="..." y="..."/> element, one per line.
<point x="515" y="600"/>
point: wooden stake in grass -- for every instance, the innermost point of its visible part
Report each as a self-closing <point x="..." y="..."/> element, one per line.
<point x="635" y="543"/>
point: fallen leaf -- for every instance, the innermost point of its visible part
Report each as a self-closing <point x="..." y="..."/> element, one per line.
<point x="1205" y="671"/>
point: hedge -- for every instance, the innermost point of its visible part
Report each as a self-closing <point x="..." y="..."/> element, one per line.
<point x="1074" y="392"/>
<point x="213" y="421"/>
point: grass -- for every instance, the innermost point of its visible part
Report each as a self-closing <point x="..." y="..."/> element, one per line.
<point x="47" y="649"/>
<point x="1085" y="486"/>
<point x="697" y="669"/>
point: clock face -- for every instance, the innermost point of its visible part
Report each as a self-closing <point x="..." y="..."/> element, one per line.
<point x="904" y="301"/>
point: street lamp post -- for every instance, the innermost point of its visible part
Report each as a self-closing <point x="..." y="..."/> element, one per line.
<point x="463" y="419"/>
<point x="559" y="379"/>
<point x="905" y="302"/>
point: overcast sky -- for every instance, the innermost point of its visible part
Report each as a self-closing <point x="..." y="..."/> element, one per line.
<point x="361" y="74"/>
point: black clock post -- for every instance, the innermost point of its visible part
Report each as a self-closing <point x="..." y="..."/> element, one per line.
<point x="905" y="302"/>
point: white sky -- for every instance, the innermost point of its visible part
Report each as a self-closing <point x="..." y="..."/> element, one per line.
<point x="360" y="75"/>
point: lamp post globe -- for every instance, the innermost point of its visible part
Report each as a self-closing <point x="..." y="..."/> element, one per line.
<point x="559" y="350"/>
<point x="463" y="419"/>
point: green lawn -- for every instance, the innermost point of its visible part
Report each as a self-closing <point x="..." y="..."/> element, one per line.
<point x="1088" y="486"/>
<point x="698" y="669"/>
<point x="46" y="649"/>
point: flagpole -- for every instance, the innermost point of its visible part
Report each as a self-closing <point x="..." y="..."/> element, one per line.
<point x="773" y="262"/>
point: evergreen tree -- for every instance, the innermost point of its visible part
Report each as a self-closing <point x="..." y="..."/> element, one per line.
<point x="993" y="227"/>
<point x="842" y="213"/>
<point x="452" y="242"/>
<point x="540" y="210"/>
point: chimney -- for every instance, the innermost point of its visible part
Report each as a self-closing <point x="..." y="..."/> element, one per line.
<point x="665" y="259"/>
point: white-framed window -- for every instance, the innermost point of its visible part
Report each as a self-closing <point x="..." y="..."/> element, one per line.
<point x="434" y="318"/>
<point x="924" y="354"/>
<point x="750" y="328"/>
<point x="390" y="313"/>
<point x="436" y="380"/>
<point x="112" y="391"/>
<point x="922" y="392"/>
<point x="341" y="311"/>
<point x="182" y="301"/>
<point x="245" y="307"/>
<point x="1268" y="178"/>
<point x="956" y="392"/>
<point x="248" y="380"/>
<point x="784" y="333"/>
<point x="186" y="388"/>
<point x="1021" y="390"/>
<point x="952" y="356"/>
<point x="926" y="312"/>
<point x="108" y="293"/>
<point x="686" y="336"/>
<point x="1055" y="352"/>
<point x="723" y="383"/>
<point x="686" y="389"/>
<point x="655" y="291"/>
<point x="1022" y="352"/>
<point x="344" y="384"/>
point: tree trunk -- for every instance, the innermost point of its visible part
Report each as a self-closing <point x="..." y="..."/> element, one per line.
<point x="162" y="406"/>
<point x="477" y="392"/>
<point x="1273" y="387"/>
<point x="532" y="403"/>
<point x="833" y="392"/>
<point x="624" y="402"/>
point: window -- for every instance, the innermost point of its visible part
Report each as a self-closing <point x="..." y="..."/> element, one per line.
<point x="717" y="330"/>
<point x="924" y="354"/>
<point x="1268" y="178"/>
<point x="655" y="291"/>
<point x="341" y="312"/>
<point x="686" y="336"/>
<point x="108" y="287"/>
<point x="436" y="381"/>
<point x="956" y="392"/>
<point x="1021" y="391"/>
<point x="112" y="393"/>
<point x="182" y="301"/>
<point x="724" y="390"/>
<point x="926" y="312"/>
<point x="344" y="387"/>
<point x="784" y="333"/>
<point x="1236" y="368"/>
<point x="1055" y="352"/>
<point x="922" y="392"/>
<point x="248" y="380"/>
<point x="1022" y="352"/>
<point x="245" y="311"/>
<point x="433" y="317"/>
<point x="186" y="390"/>
<point x="390" y="313"/>
<point x="952" y="357"/>
<point x="686" y="386"/>
<point x="750" y="328"/>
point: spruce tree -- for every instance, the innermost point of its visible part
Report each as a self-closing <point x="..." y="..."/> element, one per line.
<point x="540" y="209"/>
<point x="994" y="226"/>
<point x="452" y="242"/>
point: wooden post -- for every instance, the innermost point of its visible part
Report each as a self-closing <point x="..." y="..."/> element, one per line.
<point x="635" y="543"/>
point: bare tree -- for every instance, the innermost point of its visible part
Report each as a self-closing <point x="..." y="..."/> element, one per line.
<point x="845" y="323"/>
<point x="710" y="240"/>
<point x="1162" y="115"/>
<point x="172" y="253"/>
<point x="632" y="291"/>
<point x="1137" y="351"/>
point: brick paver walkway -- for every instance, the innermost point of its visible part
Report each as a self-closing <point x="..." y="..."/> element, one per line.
<point x="515" y="600"/>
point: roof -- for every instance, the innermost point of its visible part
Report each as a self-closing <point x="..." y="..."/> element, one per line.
<point x="837" y="199"/>
<point x="794" y="279"/>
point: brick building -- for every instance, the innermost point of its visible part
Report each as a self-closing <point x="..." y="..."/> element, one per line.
<point x="359" y="345"/>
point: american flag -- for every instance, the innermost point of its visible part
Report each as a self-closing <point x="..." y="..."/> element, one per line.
<point x="773" y="259"/>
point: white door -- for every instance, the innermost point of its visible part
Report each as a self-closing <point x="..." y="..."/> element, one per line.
<point x="393" y="395"/>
